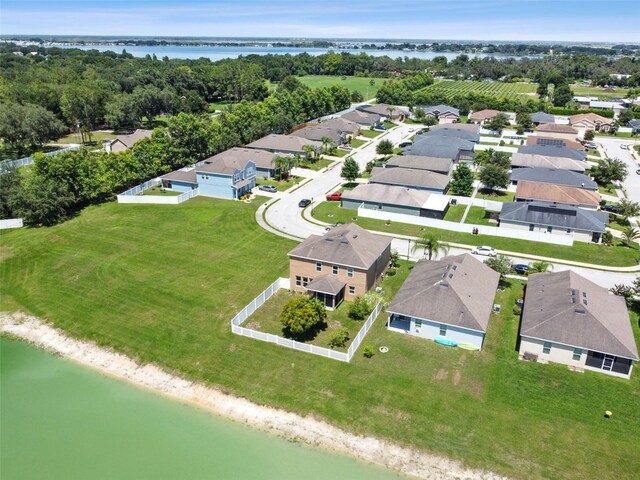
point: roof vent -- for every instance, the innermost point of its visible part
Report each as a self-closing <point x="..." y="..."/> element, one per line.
<point x="581" y="311"/>
<point x="355" y="236"/>
<point x="444" y="284"/>
<point x="451" y="275"/>
<point x="585" y="301"/>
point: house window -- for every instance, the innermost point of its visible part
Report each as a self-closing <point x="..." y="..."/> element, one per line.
<point x="305" y="281"/>
<point x="350" y="272"/>
<point x="546" y="348"/>
<point x="418" y="325"/>
<point x="443" y="330"/>
<point x="335" y="269"/>
<point x="568" y="230"/>
<point x="318" y="266"/>
<point x="352" y="290"/>
<point x="298" y="280"/>
<point x="531" y="227"/>
<point x="577" y="354"/>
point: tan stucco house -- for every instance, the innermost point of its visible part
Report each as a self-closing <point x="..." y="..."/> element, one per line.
<point x="125" y="142"/>
<point x="591" y="121"/>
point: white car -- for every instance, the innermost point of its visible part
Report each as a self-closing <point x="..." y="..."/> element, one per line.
<point x="624" y="147"/>
<point x="482" y="250"/>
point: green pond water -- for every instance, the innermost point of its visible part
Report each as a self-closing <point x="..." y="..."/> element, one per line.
<point x="59" y="420"/>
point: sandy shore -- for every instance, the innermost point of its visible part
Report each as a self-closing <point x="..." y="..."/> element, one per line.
<point x="285" y="424"/>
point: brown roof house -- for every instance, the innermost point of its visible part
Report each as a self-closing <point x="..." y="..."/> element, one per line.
<point x="407" y="177"/>
<point x="344" y="263"/>
<point x="483" y="116"/>
<point x="364" y="119"/>
<point x="554" y="141"/>
<point x="531" y="160"/>
<point x="264" y="160"/>
<point x="570" y="320"/>
<point x="125" y="142"/>
<point x="318" y="132"/>
<point x="555" y="130"/>
<point x="591" y="121"/>
<point x="344" y="125"/>
<point x="558" y="194"/>
<point x="393" y="112"/>
<point x="290" y="144"/>
<point x="450" y="298"/>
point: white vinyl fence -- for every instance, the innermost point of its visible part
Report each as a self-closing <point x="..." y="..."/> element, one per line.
<point x="134" y="195"/>
<point x="21" y="162"/>
<point x="10" y="223"/>
<point x="467" y="227"/>
<point x="242" y="315"/>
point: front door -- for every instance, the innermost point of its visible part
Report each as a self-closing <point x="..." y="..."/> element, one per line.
<point x="607" y="362"/>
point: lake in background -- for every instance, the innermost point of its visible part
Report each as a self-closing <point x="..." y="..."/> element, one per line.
<point x="61" y="420"/>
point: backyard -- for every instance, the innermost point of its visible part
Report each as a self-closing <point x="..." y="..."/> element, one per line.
<point x="479" y="216"/>
<point x="164" y="291"/>
<point x="454" y="213"/>
<point x="496" y="195"/>
<point x="158" y="191"/>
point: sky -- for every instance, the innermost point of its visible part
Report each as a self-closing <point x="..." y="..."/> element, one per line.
<point x="525" y="20"/>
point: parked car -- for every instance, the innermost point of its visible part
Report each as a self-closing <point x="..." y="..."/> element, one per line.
<point x="484" y="250"/>
<point x="638" y="172"/>
<point x="335" y="196"/>
<point x="268" y="188"/>
<point x="521" y="268"/>
<point x="380" y="127"/>
<point x="590" y="145"/>
<point x="624" y="147"/>
<point x="305" y="202"/>
<point x="610" y="208"/>
<point x="411" y="130"/>
<point x="405" y="144"/>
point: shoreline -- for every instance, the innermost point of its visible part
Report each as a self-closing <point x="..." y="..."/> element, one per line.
<point x="285" y="424"/>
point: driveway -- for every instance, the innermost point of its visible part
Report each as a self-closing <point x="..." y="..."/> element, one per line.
<point x="611" y="146"/>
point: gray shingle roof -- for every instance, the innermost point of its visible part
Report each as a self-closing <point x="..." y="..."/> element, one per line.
<point x="382" y="109"/>
<point x="261" y="158"/>
<point x="439" y="146"/>
<point x="457" y="290"/>
<point x="542" y="117"/>
<point x="329" y="284"/>
<point x="317" y="132"/>
<point x="435" y="164"/>
<point x="389" y="195"/>
<point x="554" y="176"/>
<point x="530" y="160"/>
<point x="451" y="131"/>
<point x="409" y="178"/>
<point x="343" y="124"/>
<point x="131" y="139"/>
<point x="439" y="109"/>
<point x="182" y="175"/>
<point x="561" y="216"/>
<point x="361" y="118"/>
<point x="553" y="151"/>
<point x="597" y="320"/>
<point x="285" y="143"/>
<point x="344" y="245"/>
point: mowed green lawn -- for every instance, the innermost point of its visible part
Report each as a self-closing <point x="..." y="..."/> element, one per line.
<point x="160" y="283"/>
<point x="361" y="84"/>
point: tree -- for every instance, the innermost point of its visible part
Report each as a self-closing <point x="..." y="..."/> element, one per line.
<point x="494" y="176"/>
<point x="624" y="291"/>
<point x="356" y="97"/>
<point x="339" y="338"/>
<point x="625" y="116"/>
<point x="301" y="313"/>
<point x="491" y="156"/>
<point x="524" y="120"/>
<point x="540" y="267"/>
<point x="27" y="126"/>
<point x="610" y="170"/>
<point x="385" y="147"/>
<point x="430" y="121"/>
<point x="290" y="83"/>
<point x="44" y="201"/>
<point x="286" y="163"/>
<point x="431" y="246"/>
<point x="327" y="145"/>
<point x="310" y="152"/>
<point x="498" y="123"/>
<point x="419" y="115"/>
<point x="359" y="309"/>
<point x="120" y="113"/>
<point x="628" y="208"/>
<point x="589" y="135"/>
<point x="499" y="263"/>
<point x="562" y="94"/>
<point x="629" y="235"/>
<point x="350" y="170"/>
<point x="394" y="259"/>
<point x="461" y="181"/>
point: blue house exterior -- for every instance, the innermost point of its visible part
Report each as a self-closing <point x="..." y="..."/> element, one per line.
<point x="225" y="180"/>
<point x="183" y="180"/>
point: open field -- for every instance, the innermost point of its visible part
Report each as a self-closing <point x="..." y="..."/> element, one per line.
<point x="163" y="291"/>
<point x="361" y="84"/>
<point x="492" y="89"/>
<point x="579" y="252"/>
<point x="584" y="91"/>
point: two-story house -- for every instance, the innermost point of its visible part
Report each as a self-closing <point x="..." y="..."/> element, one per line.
<point x="227" y="177"/>
<point x="346" y="262"/>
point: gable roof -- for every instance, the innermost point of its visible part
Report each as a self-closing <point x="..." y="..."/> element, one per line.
<point x="261" y="158"/>
<point x="557" y="128"/>
<point x="563" y="194"/>
<point x="553" y="311"/>
<point x="457" y="290"/>
<point x="396" y="195"/>
<point x="225" y="163"/>
<point x="553" y="151"/>
<point x="286" y="143"/>
<point x="348" y="244"/>
<point x="186" y="175"/>
<point x="554" y="142"/>
<point x="343" y="124"/>
<point x="318" y="132"/>
<point x="361" y="118"/>
<point x="451" y="130"/>
<point x="553" y="176"/>
<point x="542" y="117"/>
<point x="409" y="178"/>
<point x="549" y="214"/>
<point x="129" y="140"/>
<point x="589" y="118"/>
<point x="531" y="160"/>
<point x="482" y="115"/>
<point x="434" y="164"/>
<point x="382" y="109"/>
<point x="439" y="109"/>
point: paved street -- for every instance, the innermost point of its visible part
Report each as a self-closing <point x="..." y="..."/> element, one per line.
<point x="613" y="150"/>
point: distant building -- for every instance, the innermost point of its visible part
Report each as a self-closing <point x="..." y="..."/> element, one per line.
<point x="405" y="177"/>
<point x="483" y="116"/>
<point x="456" y="149"/>
<point x="529" y="160"/>
<point x="363" y="119"/>
<point x="553" y="141"/>
<point x="318" y="132"/>
<point x="392" y="112"/>
<point x="591" y="121"/>
<point x="344" y="125"/>
<point x="554" y="130"/>
<point x="285" y="144"/>
<point x="541" y="117"/>
<point x="125" y="142"/>
<point x="443" y="113"/>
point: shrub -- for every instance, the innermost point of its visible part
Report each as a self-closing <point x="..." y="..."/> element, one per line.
<point x="339" y="338"/>
<point x="368" y="351"/>
<point x="359" y="309"/>
<point x="517" y="311"/>
<point x="301" y="314"/>
<point x="607" y="238"/>
<point x="391" y="272"/>
<point x="394" y="259"/>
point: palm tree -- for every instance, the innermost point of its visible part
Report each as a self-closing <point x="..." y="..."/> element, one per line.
<point x="540" y="267"/>
<point x="286" y="163"/>
<point x="309" y="151"/>
<point x="391" y="109"/>
<point x="629" y="235"/>
<point x="327" y="145"/>
<point x="431" y="245"/>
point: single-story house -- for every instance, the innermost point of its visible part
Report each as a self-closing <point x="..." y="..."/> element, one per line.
<point x="415" y="162"/>
<point x="443" y="113"/>
<point x="529" y="160"/>
<point x="443" y="146"/>
<point x="225" y="177"/>
<point x="591" y="121"/>
<point x="583" y="225"/>
<point x="456" y="127"/>
<point x="264" y="160"/>
<point x="634" y="125"/>
<point x="344" y="263"/>
<point x="541" y="117"/>
<point x="483" y="116"/>
<point x="617" y="107"/>
<point x="406" y="177"/>
<point x="450" y="298"/>
<point x="394" y="199"/>
<point x="363" y="119"/>
<point x="553" y="151"/>
<point x="554" y="130"/>
<point x="284" y="144"/>
<point x="318" y="132"/>
<point x="344" y="125"/>
<point x="553" y="176"/>
<point x="125" y="142"/>
<point x="452" y="130"/>
<point x="554" y="142"/>
<point x="182" y="180"/>
<point x="393" y="112"/>
<point x="568" y="319"/>
<point x="560" y="194"/>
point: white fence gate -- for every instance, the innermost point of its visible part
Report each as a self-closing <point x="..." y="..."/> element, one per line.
<point x="10" y="223"/>
<point x="133" y="195"/>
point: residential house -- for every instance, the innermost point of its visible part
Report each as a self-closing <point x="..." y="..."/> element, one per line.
<point x="391" y="112"/>
<point x="320" y="132"/>
<point x="415" y="162"/>
<point x="182" y="180"/>
<point x="225" y="177"/>
<point x="559" y="194"/>
<point x="583" y="225"/>
<point x="285" y="144"/>
<point x="553" y="151"/>
<point x="568" y="319"/>
<point x="344" y="263"/>
<point x="541" y="117"/>
<point x="554" y="130"/>
<point x="452" y="130"/>
<point x="264" y="160"/>
<point x="450" y="298"/>
<point x="441" y="146"/>
<point x="617" y="107"/>
<point x="553" y="176"/>
<point x="483" y="116"/>
<point x="554" y="141"/>
<point x="529" y="160"/>
<point x="591" y="121"/>
<point x="344" y="125"/>
<point x="125" y="142"/>
<point x="394" y="199"/>
<point x="634" y="125"/>
<point x="443" y="113"/>
<point x="406" y="177"/>
<point x="363" y="119"/>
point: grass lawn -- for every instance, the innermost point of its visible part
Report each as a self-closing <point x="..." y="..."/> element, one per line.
<point x="584" y="91"/>
<point x="356" y="143"/>
<point x="607" y="189"/>
<point x="496" y="195"/>
<point x="455" y="213"/>
<point x="160" y="192"/>
<point x="361" y="84"/>
<point x="97" y="136"/>
<point x="479" y="216"/>
<point x="340" y="152"/>
<point x="579" y="252"/>
<point x="593" y="152"/>
<point x="370" y="133"/>
<point x="387" y="124"/>
<point x="164" y="292"/>
<point x="317" y="165"/>
<point x="281" y="185"/>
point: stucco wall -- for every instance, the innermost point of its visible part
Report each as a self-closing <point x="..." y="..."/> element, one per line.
<point x="577" y="235"/>
<point x="307" y="268"/>
<point x="431" y="329"/>
<point x="558" y="354"/>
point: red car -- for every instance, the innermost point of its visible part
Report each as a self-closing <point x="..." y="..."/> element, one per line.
<point x="334" y="196"/>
